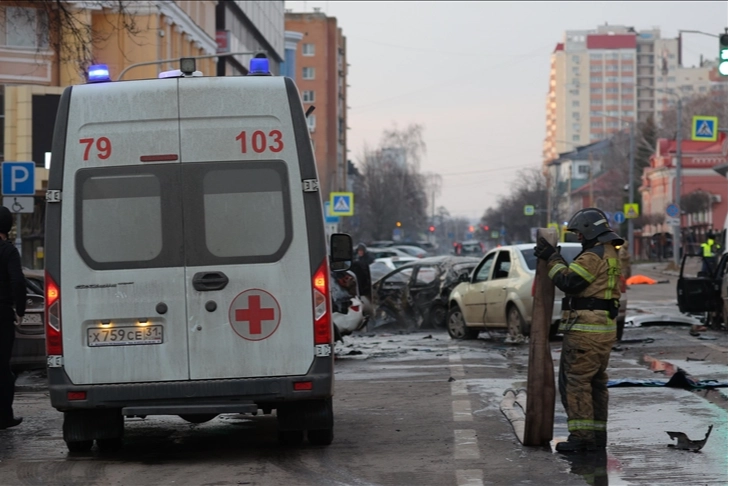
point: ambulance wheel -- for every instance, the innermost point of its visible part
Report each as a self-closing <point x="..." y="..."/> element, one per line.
<point x="109" y="445"/>
<point x="457" y="328"/>
<point x="198" y="418"/>
<point x="291" y="437"/>
<point x="80" y="445"/>
<point x="321" y="437"/>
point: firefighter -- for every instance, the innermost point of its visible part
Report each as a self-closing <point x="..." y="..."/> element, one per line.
<point x="591" y="284"/>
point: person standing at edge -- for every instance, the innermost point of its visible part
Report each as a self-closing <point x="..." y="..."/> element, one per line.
<point x="12" y="309"/>
<point x="591" y="284"/>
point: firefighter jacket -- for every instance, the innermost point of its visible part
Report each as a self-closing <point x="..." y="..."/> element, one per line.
<point x="591" y="284"/>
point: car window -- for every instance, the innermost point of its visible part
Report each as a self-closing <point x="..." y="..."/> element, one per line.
<point x="569" y="253"/>
<point x="483" y="270"/>
<point x="425" y="275"/>
<point x="399" y="278"/>
<point x="503" y="265"/>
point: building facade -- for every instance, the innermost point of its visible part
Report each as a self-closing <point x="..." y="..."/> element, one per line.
<point x="605" y="78"/>
<point x="42" y="55"/>
<point x="698" y="177"/>
<point x="321" y="75"/>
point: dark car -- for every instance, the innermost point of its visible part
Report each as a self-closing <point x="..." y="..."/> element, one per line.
<point x="701" y="289"/>
<point x="416" y="294"/>
<point x="29" y="349"/>
<point x="470" y="247"/>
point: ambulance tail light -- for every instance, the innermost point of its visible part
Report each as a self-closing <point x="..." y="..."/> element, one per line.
<point x="54" y="342"/>
<point x="322" y="314"/>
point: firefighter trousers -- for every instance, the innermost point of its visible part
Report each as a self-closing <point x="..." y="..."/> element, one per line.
<point x="583" y="381"/>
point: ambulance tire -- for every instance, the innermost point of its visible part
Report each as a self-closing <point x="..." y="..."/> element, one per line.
<point x="80" y="445"/>
<point x="110" y="445"/>
<point x="291" y="437"/>
<point x="321" y="437"/>
<point x="198" y="418"/>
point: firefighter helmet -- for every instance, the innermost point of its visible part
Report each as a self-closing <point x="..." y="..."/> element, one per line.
<point x="592" y="224"/>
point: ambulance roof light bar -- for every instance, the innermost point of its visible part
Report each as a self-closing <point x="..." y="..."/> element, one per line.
<point x="187" y="69"/>
<point x="98" y="73"/>
<point x="259" y="66"/>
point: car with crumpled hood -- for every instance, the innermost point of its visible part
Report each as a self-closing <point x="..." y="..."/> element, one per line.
<point x="416" y="294"/>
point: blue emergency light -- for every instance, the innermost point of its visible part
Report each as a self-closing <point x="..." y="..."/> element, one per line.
<point x="99" y="73"/>
<point x="259" y="66"/>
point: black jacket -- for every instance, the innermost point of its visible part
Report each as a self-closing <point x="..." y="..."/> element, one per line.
<point x="12" y="281"/>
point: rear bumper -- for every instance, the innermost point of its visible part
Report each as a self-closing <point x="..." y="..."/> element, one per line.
<point x="166" y="398"/>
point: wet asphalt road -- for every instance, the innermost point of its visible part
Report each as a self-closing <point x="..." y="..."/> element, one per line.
<point x="417" y="409"/>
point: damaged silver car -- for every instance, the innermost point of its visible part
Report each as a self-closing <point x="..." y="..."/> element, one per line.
<point x="416" y="294"/>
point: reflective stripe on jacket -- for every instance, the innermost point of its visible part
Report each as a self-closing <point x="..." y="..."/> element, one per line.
<point x="594" y="273"/>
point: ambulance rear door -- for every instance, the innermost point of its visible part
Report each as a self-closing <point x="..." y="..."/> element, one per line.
<point x="123" y="310"/>
<point x="248" y="276"/>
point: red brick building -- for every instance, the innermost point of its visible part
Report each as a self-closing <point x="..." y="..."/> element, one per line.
<point x="700" y="182"/>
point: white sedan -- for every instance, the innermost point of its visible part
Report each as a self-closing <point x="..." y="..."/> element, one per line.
<point x="396" y="262"/>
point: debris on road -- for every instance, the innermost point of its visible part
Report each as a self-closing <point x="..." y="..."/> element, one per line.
<point x="513" y="406"/>
<point x="686" y="444"/>
<point x="679" y="380"/>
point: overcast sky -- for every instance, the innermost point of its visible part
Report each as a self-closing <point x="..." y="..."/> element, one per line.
<point x="475" y="75"/>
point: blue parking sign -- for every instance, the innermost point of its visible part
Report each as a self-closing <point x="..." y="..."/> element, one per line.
<point x="18" y="178"/>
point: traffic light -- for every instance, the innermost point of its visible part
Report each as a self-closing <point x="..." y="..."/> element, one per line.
<point x="723" y="55"/>
<point x="432" y="229"/>
<point x="398" y="224"/>
<point x="470" y="229"/>
<point x="485" y="227"/>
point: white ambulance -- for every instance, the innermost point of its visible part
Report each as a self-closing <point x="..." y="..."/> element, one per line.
<point x="186" y="260"/>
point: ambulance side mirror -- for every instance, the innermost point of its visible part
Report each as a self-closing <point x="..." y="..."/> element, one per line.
<point x="341" y="253"/>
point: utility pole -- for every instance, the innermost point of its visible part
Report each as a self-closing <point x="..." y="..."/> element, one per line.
<point x="677" y="228"/>
<point x="592" y="200"/>
<point x="631" y="186"/>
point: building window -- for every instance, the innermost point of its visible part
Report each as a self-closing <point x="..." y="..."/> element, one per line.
<point x="576" y="69"/>
<point x="576" y="103"/>
<point x="626" y="55"/>
<point x="308" y="73"/>
<point x="307" y="96"/>
<point x="576" y="127"/>
<point x="596" y="68"/>
<point x="611" y="67"/>
<point x="26" y="27"/>
<point x="702" y="89"/>
<point x="612" y="55"/>
<point x="574" y="91"/>
<point x="596" y="101"/>
<point x="307" y="49"/>
<point x="576" y="59"/>
<point x="671" y="79"/>
<point x="583" y="169"/>
<point x="611" y="90"/>
<point x="596" y="57"/>
<point x="595" y="124"/>
<point x="596" y="79"/>
<point x="311" y="122"/>
<point x="611" y="79"/>
<point x="576" y="115"/>
<point x="628" y="113"/>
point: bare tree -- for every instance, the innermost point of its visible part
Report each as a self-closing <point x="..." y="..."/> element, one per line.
<point x="391" y="189"/>
<point x="710" y="104"/>
<point x="61" y="27"/>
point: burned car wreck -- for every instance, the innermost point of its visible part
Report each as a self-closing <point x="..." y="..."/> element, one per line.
<point x="415" y="295"/>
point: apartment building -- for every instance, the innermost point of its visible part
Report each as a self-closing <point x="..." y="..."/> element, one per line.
<point x="604" y="78"/>
<point x="321" y="75"/>
<point x="42" y="55"/>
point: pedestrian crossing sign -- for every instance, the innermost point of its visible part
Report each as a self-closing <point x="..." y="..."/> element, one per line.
<point x="341" y="203"/>
<point x="631" y="210"/>
<point x="704" y="128"/>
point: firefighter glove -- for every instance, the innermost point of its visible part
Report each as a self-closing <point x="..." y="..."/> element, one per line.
<point x="544" y="249"/>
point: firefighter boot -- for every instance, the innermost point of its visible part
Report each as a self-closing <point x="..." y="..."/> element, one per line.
<point x="601" y="439"/>
<point x="577" y="444"/>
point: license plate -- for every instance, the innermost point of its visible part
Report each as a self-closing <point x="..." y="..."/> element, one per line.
<point x="124" y="336"/>
<point x="32" y="319"/>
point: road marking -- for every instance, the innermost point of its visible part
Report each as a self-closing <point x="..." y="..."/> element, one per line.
<point x="459" y="388"/>
<point x="457" y="370"/>
<point x="466" y="444"/>
<point x="454" y="354"/>
<point x="462" y="411"/>
<point x="693" y="340"/>
<point x="469" y="477"/>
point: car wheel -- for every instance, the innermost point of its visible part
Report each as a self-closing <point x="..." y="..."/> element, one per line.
<point x="79" y="445"/>
<point x="515" y="324"/>
<point x="438" y="316"/>
<point x="457" y="328"/>
<point x="620" y="325"/>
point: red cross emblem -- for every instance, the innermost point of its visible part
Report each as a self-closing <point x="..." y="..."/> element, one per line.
<point x="254" y="314"/>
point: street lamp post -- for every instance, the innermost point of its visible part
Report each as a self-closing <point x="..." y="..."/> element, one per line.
<point x="677" y="228"/>
<point x="631" y="186"/>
